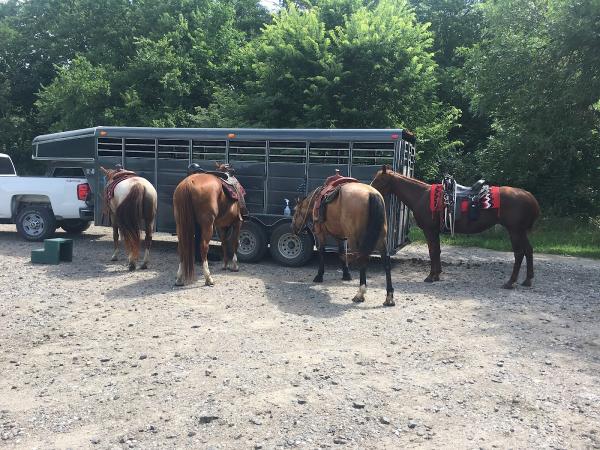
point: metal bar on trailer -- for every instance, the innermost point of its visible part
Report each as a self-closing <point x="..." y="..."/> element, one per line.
<point x="266" y="180"/>
<point x="350" y="158"/>
<point x="156" y="180"/>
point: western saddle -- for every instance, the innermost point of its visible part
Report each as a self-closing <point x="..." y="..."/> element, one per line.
<point x="455" y="194"/>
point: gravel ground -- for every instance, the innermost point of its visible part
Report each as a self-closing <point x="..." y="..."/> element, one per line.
<point x="92" y="356"/>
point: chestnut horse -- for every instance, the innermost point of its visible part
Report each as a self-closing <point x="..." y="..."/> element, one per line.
<point x="357" y="215"/>
<point x="131" y="204"/>
<point x="518" y="212"/>
<point x="200" y="204"/>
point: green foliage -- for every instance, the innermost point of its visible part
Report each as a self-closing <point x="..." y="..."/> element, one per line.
<point x="535" y="74"/>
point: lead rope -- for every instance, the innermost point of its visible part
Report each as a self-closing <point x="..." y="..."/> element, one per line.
<point x="308" y="208"/>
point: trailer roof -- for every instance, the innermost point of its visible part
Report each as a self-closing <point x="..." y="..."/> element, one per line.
<point x="284" y="134"/>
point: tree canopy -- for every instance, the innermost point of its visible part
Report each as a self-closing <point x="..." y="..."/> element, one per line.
<point x="504" y="89"/>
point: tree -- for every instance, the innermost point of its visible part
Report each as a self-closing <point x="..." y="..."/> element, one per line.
<point x="528" y="74"/>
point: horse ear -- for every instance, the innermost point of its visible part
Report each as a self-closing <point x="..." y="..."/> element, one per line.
<point x="104" y="170"/>
<point x="217" y="164"/>
<point x="384" y="168"/>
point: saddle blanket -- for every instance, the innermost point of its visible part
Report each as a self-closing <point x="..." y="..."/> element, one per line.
<point x="489" y="201"/>
<point x="328" y="193"/>
<point x="233" y="189"/>
<point x="109" y="190"/>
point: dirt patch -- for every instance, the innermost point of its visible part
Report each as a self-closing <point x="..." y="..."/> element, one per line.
<point x="93" y="356"/>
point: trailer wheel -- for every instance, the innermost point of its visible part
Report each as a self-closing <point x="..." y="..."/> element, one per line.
<point x="36" y="223"/>
<point x="290" y="249"/>
<point x="253" y="242"/>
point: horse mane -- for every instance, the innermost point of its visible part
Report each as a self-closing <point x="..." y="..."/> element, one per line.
<point x="407" y="179"/>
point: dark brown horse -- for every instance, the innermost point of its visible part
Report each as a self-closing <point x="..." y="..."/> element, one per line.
<point x="200" y="203"/>
<point x="518" y="212"/>
<point x="358" y="216"/>
<point x="130" y="201"/>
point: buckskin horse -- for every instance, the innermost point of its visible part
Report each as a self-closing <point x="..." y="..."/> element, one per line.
<point x="518" y="210"/>
<point x="130" y="201"/>
<point x="200" y="204"/>
<point x="356" y="213"/>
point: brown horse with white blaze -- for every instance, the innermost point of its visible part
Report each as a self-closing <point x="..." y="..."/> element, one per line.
<point x="518" y="212"/>
<point x="200" y="203"/>
<point x="131" y="203"/>
<point x="358" y="216"/>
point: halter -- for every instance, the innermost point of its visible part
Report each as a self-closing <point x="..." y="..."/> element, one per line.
<point x="305" y="218"/>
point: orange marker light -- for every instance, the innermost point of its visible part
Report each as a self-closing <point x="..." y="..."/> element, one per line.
<point x="103" y="133"/>
<point x="231" y="135"/>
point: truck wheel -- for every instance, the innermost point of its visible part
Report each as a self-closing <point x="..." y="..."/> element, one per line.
<point x="253" y="242"/>
<point x="36" y="223"/>
<point x="75" y="226"/>
<point x="289" y="249"/>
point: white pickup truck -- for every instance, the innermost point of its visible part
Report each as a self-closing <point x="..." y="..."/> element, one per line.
<point x="39" y="205"/>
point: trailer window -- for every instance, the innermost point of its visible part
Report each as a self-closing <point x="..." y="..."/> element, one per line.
<point x="249" y="151"/>
<point x="209" y="150"/>
<point x="285" y="151"/>
<point x="373" y="153"/>
<point x="329" y="152"/>
<point x="6" y="166"/>
<point x="139" y="148"/>
<point x="173" y="149"/>
<point x="110" y="147"/>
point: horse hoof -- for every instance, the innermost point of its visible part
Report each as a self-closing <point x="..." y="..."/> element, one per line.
<point x="224" y="268"/>
<point x="347" y="277"/>
<point x="131" y="267"/>
<point x="358" y="299"/>
<point x="508" y="285"/>
<point x="318" y="279"/>
<point x="209" y="283"/>
<point x="234" y="269"/>
<point x="389" y="302"/>
<point x="114" y="258"/>
<point x="144" y="266"/>
<point x="526" y="283"/>
<point x="429" y="279"/>
<point x="178" y="283"/>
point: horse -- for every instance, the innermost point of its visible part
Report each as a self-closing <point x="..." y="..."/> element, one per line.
<point x="357" y="215"/>
<point x="130" y="201"/>
<point x="200" y="205"/>
<point x="518" y="212"/>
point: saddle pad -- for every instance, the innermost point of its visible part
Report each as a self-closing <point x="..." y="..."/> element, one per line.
<point x="491" y="200"/>
<point x="109" y="190"/>
<point x="436" y="198"/>
<point x="233" y="188"/>
<point x="332" y="184"/>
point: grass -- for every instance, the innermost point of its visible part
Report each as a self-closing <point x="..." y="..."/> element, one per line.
<point x="559" y="236"/>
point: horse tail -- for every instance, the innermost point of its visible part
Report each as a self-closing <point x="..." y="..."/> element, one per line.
<point x="375" y="223"/>
<point x="129" y="217"/>
<point x="186" y="225"/>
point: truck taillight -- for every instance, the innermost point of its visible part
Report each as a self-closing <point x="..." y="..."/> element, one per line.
<point x="83" y="190"/>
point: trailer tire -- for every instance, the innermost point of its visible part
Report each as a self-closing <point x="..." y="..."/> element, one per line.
<point x="36" y="223"/>
<point x="252" y="242"/>
<point x="75" y="226"/>
<point x="290" y="249"/>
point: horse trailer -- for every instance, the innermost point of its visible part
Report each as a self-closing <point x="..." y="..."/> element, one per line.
<point x="271" y="164"/>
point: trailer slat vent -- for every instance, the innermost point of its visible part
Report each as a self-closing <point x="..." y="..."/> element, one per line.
<point x="329" y="152"/>
<point x="287" y="151"/>
<point x="112" y="147"/>
<point x="139" y="148"/>
<point x="247" y="151"/>
<point x="373" y="153"/>
<point x="173" y="149"/>
<point x="209" y="150"/>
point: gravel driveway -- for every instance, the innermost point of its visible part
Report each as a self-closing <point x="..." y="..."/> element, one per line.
<point x="92" y="356"/>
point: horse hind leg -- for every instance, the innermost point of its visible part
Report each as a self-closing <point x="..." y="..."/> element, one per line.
<point x="114" y="256"/>
<point x="518" y="245"/>
<point x="147" y="245"/>
<point x="529" y="256"/>
<point x="234" y="241"/>
<point x="206" y="234"/>
<point x="387" y="265"/>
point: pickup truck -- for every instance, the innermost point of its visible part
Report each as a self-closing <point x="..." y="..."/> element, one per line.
<point x="39" y="205"/>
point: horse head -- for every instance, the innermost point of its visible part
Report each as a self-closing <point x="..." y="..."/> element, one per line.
<point x="110" y="173"/>
<point x="302" y="209"/>
<point x="383" y="179"/>
<point x="224" y="167"/>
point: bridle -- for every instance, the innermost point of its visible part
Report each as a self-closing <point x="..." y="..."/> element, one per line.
<point x="306" y="213"/>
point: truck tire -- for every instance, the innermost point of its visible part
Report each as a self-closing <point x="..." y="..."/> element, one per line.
<point x="75" y="226"/>
<point x="36" y="223"/>
<point x="288" y="249"/>
<point x="253" y="243"/>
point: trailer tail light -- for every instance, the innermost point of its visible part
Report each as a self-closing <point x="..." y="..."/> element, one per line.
<point x="395" y="136"/>
<point x="83" y="190"/>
